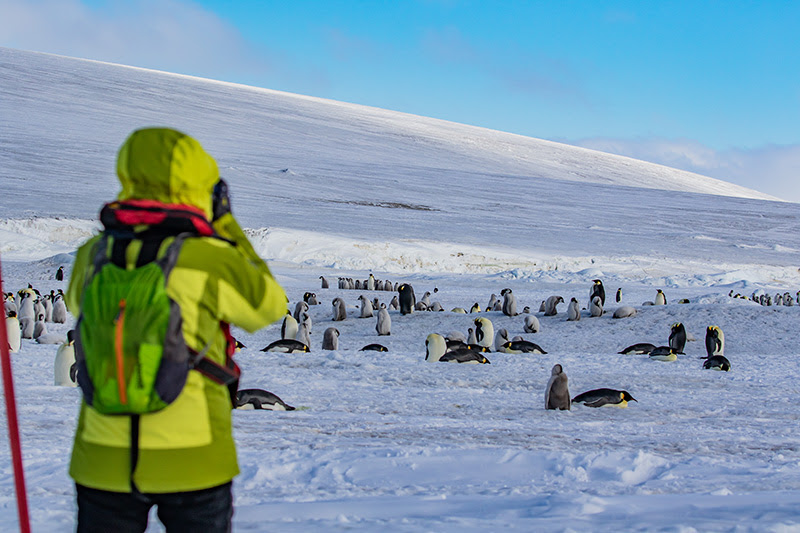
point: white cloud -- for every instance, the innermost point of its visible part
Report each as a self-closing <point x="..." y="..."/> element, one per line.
<point x="168" y="35"/>
<point x="773" y="169"/>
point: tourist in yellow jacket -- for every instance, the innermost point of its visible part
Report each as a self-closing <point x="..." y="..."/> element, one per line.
<point x="186" y="458"/>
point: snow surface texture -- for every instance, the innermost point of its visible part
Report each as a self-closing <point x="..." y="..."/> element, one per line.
<point x="386" y="441"/>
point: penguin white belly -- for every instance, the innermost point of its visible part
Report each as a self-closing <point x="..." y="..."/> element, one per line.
<point x="65" y="358"/>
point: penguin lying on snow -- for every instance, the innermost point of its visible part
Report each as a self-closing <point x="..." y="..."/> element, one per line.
<point x="663" y="353"/>
<point x="435" y="350"/>
<point x="523" y="346"/>
<point x="260" y="399"/>
<point x="641" y="348"/>
<point x="287" y="346"/>
<point x="374" y="348"/>
<point x="604" y="397"/>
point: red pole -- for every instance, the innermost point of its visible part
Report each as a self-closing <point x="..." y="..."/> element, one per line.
<point x="13" y="427"/>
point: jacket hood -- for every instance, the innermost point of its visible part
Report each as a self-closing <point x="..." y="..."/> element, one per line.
<point x="168" y="166"/>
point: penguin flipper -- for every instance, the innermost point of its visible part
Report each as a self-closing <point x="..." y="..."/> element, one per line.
<point x="600" y="402"/>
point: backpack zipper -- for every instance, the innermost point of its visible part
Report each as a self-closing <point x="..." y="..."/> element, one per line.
<point x="120" y="323"/>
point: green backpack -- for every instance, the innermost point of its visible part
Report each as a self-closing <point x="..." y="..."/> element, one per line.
<point x="129" y="346"/>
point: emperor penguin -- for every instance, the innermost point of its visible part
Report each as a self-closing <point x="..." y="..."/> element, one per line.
<point x="304" y="333"/>
<point x="493" y="300"/>
<point x="26" y="327"/>
<point x="330" y="339"/>
<point x="531" y="324"/>
<point x="65" y="358"/>
<point x="596" y="307"/>
<point x="324" y="283"/>
<point x="299" y="309"/>
<point x="60" y="274"/>
<point x="39" y="327"/>
<point x="26" y="306"/>
<point x="289" y="327"/>
<point x="375" y="347"/>
<point x="619" y="295"/>
<point x="456" y="336"/>
<point x="366" y="307"/>
<point x="663" y="353"/>
<point x="624" y="311"/>
<point x="339" y="310"/>
<point x="9" y="304"/>
<point x="550" y="305"/>
<point x="509" y="302"/>
<point x="641" y="348"/>
<point x="472" y="338"/>
<point x="59" y="310"/>
<point x="661" y="298"/>
<point x="677" y="337"/>
<point x="484" y="332"/>
<point x="436" y="306"/>
<point x="520" y="345"/>
<point x="500" y="338"/>
<point x="476" y="308"/>
<point x="426" y="299"/>
<point x="287" y="346"/>
<point x="420" y="306"/>
<point x="543" y="306"/>
<point x="556" y="396"/>
<point x="260" y="399"/>
<point x="436" y="351"/>
<point x="384" y="324"/>
<point x="47" y="301"/>
<point x="715" y="341"/>
<point x="394" y="304"/>
<point x="574" y="310"/>
<point x="605" y="398"/>
<point x="14" y="332"/>
<point x="310" y="298"/>
<point x="717" y="362"/>
<point x="598" y="290"/>
<point x="371" y="282"/>
<point x="407" y="299"/>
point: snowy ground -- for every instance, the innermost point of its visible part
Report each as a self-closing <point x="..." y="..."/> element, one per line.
<point x="387" y="441"/>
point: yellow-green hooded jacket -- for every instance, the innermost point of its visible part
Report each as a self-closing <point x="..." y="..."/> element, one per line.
<point x="189" y="444"/>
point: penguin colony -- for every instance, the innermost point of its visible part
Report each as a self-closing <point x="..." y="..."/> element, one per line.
<point x="28" y="312"/>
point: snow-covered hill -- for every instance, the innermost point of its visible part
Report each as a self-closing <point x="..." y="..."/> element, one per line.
<point x="386" y="441"/>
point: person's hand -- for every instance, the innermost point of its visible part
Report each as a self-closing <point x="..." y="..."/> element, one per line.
<point x="220" y="200"/>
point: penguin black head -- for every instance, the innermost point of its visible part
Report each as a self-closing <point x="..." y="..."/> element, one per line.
<point x="626" y="396"/>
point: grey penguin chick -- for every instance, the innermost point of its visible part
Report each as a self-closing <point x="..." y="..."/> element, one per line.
<point x="330" y="339"/>
<point x="550" y="305"/>
<point x="531" y="324"/>
<point x="384" y="324"/>
<point x="556" y="396"/>
<point x="574" y="310"/>
<point x="339" y="310"/>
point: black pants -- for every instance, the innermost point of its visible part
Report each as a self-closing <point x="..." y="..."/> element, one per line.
<point x="208" y="510"/>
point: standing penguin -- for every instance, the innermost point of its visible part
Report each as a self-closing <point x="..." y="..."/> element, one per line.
<point x="619" y="295"/>
<point x="471" y="337"/>
<point x="395" y="303"/>
<point x="384" y="325"/>
<point x="47" y="301"/>
<point x="310" y="298"/>
<point x="324" y="283"/>
<point x="492" y="301"/>
<point x="60" y="274"/>
<point x="509" y="302"/>
<point x="598" y="290"/>
<point x="596" y="307"/>
<point x="484" y="332"/>
<point x="339" y="310"/>
<point x="299" y="309"/>
<point x="289" y="327"/>
<point x="426" y="299"/>
<point x="26" y="306"/>
<point x="371" y="282"/>
<point x="531" y="324"/>
<point x="366" y="307"/>
<point x="407" y="299"/>
<point x="65" y="358"/>
<point x="26" y="327"/>
<point x="661" y="298"/>
<point x="574" y="310"/>
<point x="330" y="339"/>
<point x="304" y="334"/>
<point x="556" y="396"/>
<point x="13" y="332"/>
<point x="59" y="310"/>
<point x="715" y="341"/>
<point x="550" y="305"/>
<point x="677" y="338"/>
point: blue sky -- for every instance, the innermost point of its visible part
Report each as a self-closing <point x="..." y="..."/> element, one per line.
<point x="711" y="87"/>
